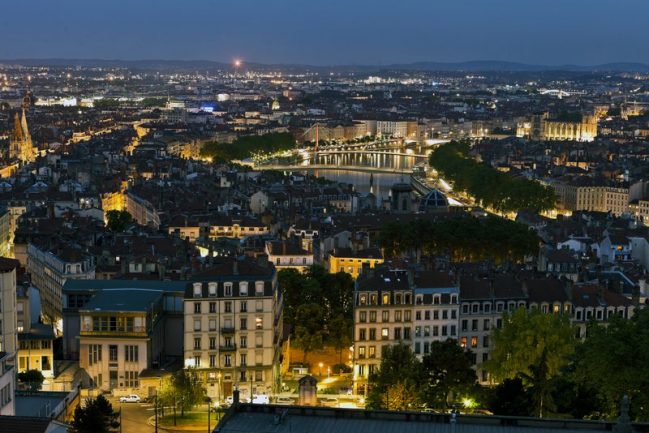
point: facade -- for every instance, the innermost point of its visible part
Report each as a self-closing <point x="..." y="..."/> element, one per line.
<point x="592" y="198"/>
<point x="288" y="255"/>
<point x="7" y="384"/>
<point x="348" y="261"/>
<point x="383" y="316"/>
<point x="141" y="210"/>
<point x="50" y="270"/>
<point x="8" y="314"/>
<point x="6" y="233"/>
<point x="121" y="335"/>
<point x="36" y="350"/>
<point x="541" y="127"/>
<point x="233" y="327"/>
<point x="436" y="310"/>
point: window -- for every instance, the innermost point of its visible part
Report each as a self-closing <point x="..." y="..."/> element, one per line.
<point x="426" y="331"/>
<point x="227" y="289"/>
<point x="397" y="316"/>
<point x="197" y="343"/>
<point x="131" y="379"/>
<point x="212" y="307"/>
<point x="131" y="353"/>
<point x="386" y="300"/>
<point x="362" y="300"/>
<point x="243" y="306"/>
<point x="487" y="308"/>
<point x="417" y="331"/>
<point x="385" y="333"/>
<point x="372" y="334"/>
<point x="406" y="333"/>
<point x="453" y="330"/>
<point x="407" y="315"/>
<point x="259" y="306"/>
<point x="417" y="315"/>
<point x="361" y="334"/>
<point x="463" y="342"/>
<point x="417" y="348"/>
<point x="465" y="325"/>
<point x="371" y="353"/>
<point x="453" y="314"/>
<point x="474" y="341"/>
<point x="112" y="353"/>
<point x="227" y="360"/>
<point x="444" y="331"/>
<point x="385" y="316"/>
<point x="197" y="307"/>
<point x="212" y="324"/>
<point x="485" y="341"/>
<point x="361" y="352"/>
<point x="474" y="308"/>
<point x="486" y="324"/>
<point x="242" y="359"/>
<point x="465" y="309"/>
<point x="197" y="290"/>
<point x="244" y="323"/>
<point x="227" y="307"/>
<point x="212" y="360"/>
<point x="212" y="343"/>
<point x="94" y="353"/>
<point x="197" y="325"/>
<point x="243" y="341"/>
<point x="259" y="376"/>
<point x="259" y="322"/>
<point x="362" y="316"/>
<point x="243" y="288"/>
<point x="474" y="325"/>
<point x="397" y="333"/>
<point x="372" y="316"/>
<point x="211" y="288"/>
<point x="259" y="288"/>
<point x="444" y="314"/>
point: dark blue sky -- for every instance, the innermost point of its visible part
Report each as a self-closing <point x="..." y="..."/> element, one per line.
<point x="329" y="31"/>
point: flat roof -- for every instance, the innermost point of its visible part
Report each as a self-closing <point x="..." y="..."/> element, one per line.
<point x="97" y="285"/>
<point x="122" y="300"/>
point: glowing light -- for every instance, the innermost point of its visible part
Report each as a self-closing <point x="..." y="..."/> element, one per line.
<point x="468" y="403"/>
<point x="237" y="63"/>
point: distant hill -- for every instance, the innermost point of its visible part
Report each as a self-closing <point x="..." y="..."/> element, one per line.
<point x="202" y="65"/>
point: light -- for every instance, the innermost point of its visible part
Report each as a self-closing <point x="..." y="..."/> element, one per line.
<point x="468" y="403"/>
<point x="237" y="63"/>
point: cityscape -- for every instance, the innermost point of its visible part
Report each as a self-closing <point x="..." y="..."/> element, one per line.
<point x="278" y="240"/>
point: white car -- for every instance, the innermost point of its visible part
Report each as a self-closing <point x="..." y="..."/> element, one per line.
<point x="260" y="399"/>
<point x="131" y="398"/>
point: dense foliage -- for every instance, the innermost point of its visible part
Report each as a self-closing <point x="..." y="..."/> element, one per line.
<point x="32" y="379"/>
<point x="183" y="390"/>
<point x="488" y="186"/>
<point x="462" y="238"/>
<point x="439" y="380"/>
<point x="318" y="307"/>
<point x="118" y="220"/>
<point x="96" y="416"/>
<point x="248" y="145"/>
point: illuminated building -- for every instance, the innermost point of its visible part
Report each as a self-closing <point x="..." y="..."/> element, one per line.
<point x="541" y="127"/>
<point x="233" y="327"/>
<point x="348" y="261"/>
<point x="20" y="143"/>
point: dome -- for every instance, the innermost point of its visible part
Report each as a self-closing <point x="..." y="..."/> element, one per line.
<point x="433" y="201"/>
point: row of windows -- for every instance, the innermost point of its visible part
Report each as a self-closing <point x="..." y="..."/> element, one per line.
<point x="227" y="307"/>
<point x="227" y="289"/>
<point x="443" y="331"/>
<point x="95" y="353"/>
<point x="436" y="314"/>
<point x="228" y="324"/>
<point x="385" y="316"/>
<point x="227" y="342"/>
<point x="34" y="344"/>
<point x="474" y="341"/>
<point x="372" y="299"/>
<point x="227" y="360"/>
<point x="370" y="334"/>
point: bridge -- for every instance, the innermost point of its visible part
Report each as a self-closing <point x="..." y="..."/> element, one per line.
<point x="313" y="167"/>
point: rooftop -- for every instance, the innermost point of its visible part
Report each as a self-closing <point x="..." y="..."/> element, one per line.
<point x="123" y="300"/>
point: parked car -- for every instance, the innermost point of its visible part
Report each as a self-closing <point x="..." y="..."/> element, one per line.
<point x="260" y="399"/>
<point x="285" y="401"/>
<point x="329" y="402"/>
<point x="131" y="398"/>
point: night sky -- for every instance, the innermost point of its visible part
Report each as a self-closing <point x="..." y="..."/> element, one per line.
<point x="329" y="32"/>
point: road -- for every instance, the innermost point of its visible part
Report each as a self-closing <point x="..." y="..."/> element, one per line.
<point x="135" y="416"/>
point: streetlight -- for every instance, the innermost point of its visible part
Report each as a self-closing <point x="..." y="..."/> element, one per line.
<point x="209" y="410"/>
<point x="320" y="365"/>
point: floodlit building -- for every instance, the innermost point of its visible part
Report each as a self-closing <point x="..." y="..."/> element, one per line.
<point x="233" y="327"/>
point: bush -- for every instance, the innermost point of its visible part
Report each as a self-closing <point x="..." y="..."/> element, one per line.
<point x="341" y="369"/>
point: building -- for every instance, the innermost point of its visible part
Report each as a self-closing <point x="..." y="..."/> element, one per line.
<point x="352" y="262"/>
<point x="7" y="384"/>
<point x="20" y="142"/>
<point x="233" y="327"/>
<point x="583" y="195"/>
<point x="541" y="127"/>
<point x="483" y="301"/>
<point x="436" y="309"/>
<point x="36" y="350"/>
<point x="6" y="233"/>
<point x="382" y="317"/>
<point x="50" y="268"/>
<point x="8" y="313"/>
<point x="142" y="211"/>
<point x="285" y="254"/>
<point x="122" y="333"/>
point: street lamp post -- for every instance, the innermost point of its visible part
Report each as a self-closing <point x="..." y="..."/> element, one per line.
<point x="209" y="410"/>
<point x="156" y="413"/>
<point x="320" y="365"/>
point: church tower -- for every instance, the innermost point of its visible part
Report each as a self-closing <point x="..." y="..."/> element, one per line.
<point x="20" y="144"/>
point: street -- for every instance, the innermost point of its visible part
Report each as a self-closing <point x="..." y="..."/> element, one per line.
<point x="135" y="416"/>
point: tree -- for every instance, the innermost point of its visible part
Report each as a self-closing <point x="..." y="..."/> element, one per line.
<point x="188" y="391"/>
<point x="339" y="334"/>
<point x="33" y="379"/>
<point x="535" y="347"/>
<point x="96" y="416"/>
<point x="446" y="373"/>
<point x="614" y="361"/>
<point x="309" y="333"/>
<point x="510" y="398"/>
<point x="118" y="220"/>
<point x="395" y="385"/>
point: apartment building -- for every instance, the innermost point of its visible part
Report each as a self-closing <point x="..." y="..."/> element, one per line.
<point x="436" y="309"/>
<point x="383" y="308"/>
<point x="50" y="267"/>
<point x="7" y="384"/>
<point x="8" y="313"/>
<point x="352" y="262"/>
<point x="36" y="350"/>
<point x="583" y="195"/>
<point x="286" y="254"/>
<point x="121" y="334"/>
<point x="233" y="327"/>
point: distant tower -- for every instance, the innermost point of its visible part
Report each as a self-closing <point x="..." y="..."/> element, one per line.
<point x="20" y="144"/>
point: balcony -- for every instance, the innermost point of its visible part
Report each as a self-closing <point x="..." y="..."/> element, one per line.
<point x="136" y="331"/>
<point x="228" y="348"/>
<point x="227" y="330"/>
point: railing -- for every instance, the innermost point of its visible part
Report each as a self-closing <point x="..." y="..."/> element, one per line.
<point x="228" y="348"/>
<point x="227" y="329"/>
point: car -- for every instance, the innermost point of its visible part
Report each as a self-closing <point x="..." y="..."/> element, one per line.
<point x="131" y="398"/>
<point x="285" y="401"/>
<point x="329" y="402"/>
<point x="260" y="399"/>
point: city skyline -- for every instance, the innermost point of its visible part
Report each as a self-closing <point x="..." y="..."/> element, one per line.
<point x="338" y="34"/>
